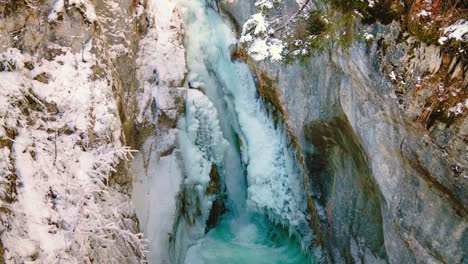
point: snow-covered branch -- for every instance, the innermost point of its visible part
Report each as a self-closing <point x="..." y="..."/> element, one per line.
<point x="261" y="32"/>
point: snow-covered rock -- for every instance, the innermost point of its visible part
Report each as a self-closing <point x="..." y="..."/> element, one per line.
<point x="64" y="187"/>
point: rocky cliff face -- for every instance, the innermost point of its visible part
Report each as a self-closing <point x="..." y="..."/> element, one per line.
<point x="158" y="169"/>
<point x="67" y="114"/>
<point x="380" y="126"/>
<point x="390" y="180"/>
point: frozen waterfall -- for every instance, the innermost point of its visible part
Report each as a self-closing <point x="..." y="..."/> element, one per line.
<point x="227" y="126"/>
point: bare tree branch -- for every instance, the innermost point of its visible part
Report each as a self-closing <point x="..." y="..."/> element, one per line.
<point x="293" y="16"/>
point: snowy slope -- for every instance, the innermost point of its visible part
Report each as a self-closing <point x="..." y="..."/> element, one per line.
<point x="62" y="146"/>
<point x="65" y="146"/>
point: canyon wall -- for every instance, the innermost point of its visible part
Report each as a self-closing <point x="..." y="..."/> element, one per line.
<point x="388" y="187"/>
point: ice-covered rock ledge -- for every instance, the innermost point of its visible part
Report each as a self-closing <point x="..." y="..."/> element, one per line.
<point x="161" y="70"/>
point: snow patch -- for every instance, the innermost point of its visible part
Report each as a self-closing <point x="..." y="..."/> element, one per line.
<point x="368" y="36"/>
<point x="57" y="10"/>
<point x="457" y="31"/>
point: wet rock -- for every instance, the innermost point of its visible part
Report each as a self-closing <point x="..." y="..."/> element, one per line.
<point x="341" y="178"/>
<point x="218" y="208"/>
<point x="214" y="186"/>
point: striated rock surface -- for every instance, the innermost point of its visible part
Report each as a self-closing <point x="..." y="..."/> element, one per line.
<point x="390" y="180"/>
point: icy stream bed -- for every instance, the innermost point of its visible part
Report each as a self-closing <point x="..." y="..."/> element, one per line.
<point x="250" y="240"/>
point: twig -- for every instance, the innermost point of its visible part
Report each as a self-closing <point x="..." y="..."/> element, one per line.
<point x="55" y="147"/>
<point x="293" y="16"/>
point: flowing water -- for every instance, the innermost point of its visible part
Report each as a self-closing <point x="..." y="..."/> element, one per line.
<point x="227" y="125"/>
<point x="241" y="241"/>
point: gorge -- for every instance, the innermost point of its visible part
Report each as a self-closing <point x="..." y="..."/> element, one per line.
<point x="192" y="131"/>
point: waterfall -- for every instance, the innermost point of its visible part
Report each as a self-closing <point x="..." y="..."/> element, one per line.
<point x="227" y="130"/>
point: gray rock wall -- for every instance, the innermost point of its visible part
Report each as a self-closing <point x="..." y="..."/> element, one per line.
<point x="388" y="189"/>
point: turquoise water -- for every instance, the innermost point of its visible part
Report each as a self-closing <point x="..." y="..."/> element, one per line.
<point x="251" y="240"/>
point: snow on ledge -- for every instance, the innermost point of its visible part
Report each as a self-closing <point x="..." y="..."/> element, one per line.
<point x="457" y="31"/>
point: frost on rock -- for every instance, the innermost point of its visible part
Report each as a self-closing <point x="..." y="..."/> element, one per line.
<point x="85" y="7"/>
<point x="162" y="46"/>
<point x="60" y="143"/>
<point x="424" y="13"/>
<point x="157" y="167"/>
<point x="458" y="108"/>
<point x="457" y="31"/>
<point x="57" y="10"/>
<point x="265" y="4"/>
<point x="368" y="36"/>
